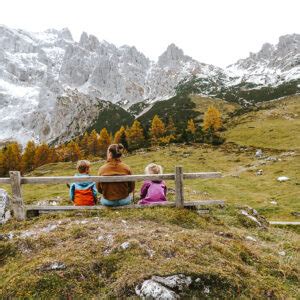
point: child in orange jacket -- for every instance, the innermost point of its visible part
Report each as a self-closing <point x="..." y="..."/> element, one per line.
<point x="83" y="193"/>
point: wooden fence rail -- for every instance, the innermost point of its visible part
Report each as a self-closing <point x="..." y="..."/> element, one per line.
<point x="20" y="210"/>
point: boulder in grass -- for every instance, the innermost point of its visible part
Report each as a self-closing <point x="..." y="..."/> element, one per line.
<point x="4" y="206"/>
<point x="151" y="289"/>
<point x="283" y="178"/>
<point x="249" y="217"/>
<point x="159" y="287"/>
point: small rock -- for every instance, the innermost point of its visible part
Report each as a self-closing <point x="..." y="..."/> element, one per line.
<point x="283" y="178"/>
<point x="244" y="213"/>
<point x="125" y="245"/>
<point x="53" y="266"/>
<point x="150" y="252"/>
<point x="100" y="238"/>
<point x="248" y="213"/>
<point x="57" y="266"/>
<point x="258" y="153"/>
<point x="271" y="158"/>
<point x="250" y="238"/>
<point x="273" y="202"/>
<point x="206" y="290"/>
<point x="49" y="228"/>
<point x="259" y="172"/>
<point x="282" y="253"/>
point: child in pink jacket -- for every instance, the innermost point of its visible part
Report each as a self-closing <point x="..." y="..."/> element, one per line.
<point x="153" y="191"/>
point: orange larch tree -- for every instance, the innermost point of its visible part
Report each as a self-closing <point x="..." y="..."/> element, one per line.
<point x="104" y="141"/>
<point x="157" y="129"/>
<point x="27" y="162"/>
<point x="135" y="135"/>
<point x="42" y="155"/>
<point x="212" y="119"/>
<point x="93" y="143"/>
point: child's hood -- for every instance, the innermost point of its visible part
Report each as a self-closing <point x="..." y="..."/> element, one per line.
<point x="85" y="184"/>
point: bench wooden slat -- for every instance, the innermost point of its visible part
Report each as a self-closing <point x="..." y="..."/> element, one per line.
<point x="5" y="180"/>
<point x="100" y="207"/>
<point x="69" y="179"/>
<point x="284" y="223"/>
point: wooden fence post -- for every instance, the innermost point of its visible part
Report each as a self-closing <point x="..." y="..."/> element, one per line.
<point x="179" y="186"/>
<point x="17" y="200"/>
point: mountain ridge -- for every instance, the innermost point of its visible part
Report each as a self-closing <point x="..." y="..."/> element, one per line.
<point x="38" y="68"/>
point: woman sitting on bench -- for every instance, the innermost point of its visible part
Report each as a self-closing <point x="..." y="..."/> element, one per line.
<point x="115" y="193"/>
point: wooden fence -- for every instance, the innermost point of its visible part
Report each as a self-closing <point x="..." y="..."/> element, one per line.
<point x="20" y="209"/>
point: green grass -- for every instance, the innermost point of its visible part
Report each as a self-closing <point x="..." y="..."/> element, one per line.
<point x="276" y="125"/>
<point x="202" y="104"/>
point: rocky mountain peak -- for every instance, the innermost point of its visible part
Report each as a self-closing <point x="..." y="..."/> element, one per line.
<point x="288" y="43"/>
<point x="266" y="51"/>
<point x="172" y="56"/>
<point x="66" y="34"/>
<point x="89" y="42"/>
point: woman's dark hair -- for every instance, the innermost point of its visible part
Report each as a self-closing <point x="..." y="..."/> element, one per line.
<point x="116" y="150"/>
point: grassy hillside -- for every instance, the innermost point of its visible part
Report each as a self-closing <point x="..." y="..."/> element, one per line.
<point x="202" y="103"/>
<point x="222" y="251"/>
<point x="81" y="256"/>
<point x="275" y="125"/>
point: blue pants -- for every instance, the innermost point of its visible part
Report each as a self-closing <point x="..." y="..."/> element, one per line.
<point x="120" y="202"/>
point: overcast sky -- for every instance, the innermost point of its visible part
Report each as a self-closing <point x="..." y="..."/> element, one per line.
<point x="212" y="31"/>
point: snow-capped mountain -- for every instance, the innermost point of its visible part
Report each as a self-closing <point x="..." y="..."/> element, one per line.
<point x="49" y="82"/>
<point x="272" y="65"/>
<point x="37" y="68"/>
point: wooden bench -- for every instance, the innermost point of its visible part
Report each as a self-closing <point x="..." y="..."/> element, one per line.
<point x="20" y="209"/>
